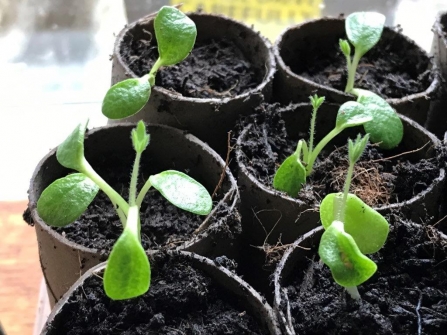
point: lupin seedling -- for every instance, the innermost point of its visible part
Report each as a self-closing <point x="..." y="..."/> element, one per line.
<point x="292" y="173"/>
<point x="364" y="30"/>
<point x="127" y="273"/>
<point x="352" y="229"/>
<point x="175" y="34"/>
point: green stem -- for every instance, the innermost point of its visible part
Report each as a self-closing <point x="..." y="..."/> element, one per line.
<point x="106" y="188"/>
<point x="143" y="193"/>
<point x="154" y="70"/>
<point x="312" y="129"/>
<point x="134" y="180"/>
<point x="133" y="220"/>
<point x="352" y="68"/>
<point x="341" y="210"/>
<point x="353" y="292"/>
<point x="314" y="154"/>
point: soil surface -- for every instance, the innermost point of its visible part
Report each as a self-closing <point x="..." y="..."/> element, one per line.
<point x="380" y="181"/>
<point x="392" y="69"/>
<point x="163" y="225"/>
<point x="407" y="295"/>
<point x="214" y="69"/>
<point x="181" y="300"/>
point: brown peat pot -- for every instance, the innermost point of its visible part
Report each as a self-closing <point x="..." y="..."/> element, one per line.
<point x="310" y="61"/>
<point x="437" y="120"/>
<point x="269" y="216"/>
<point x="405" y="296"/>
<point x="208" y="112"/>
<point x="188" y="293"/>
<point x="66" y="253"/>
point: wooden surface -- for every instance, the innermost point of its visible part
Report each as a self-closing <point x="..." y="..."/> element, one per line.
<point x="20" y="273"/>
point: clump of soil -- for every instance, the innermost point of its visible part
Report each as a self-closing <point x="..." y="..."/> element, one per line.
<point x="214" y="69"/>
<point x="408" y="291"/>
<point x="181" y="300"/>
<point x="394" y="68"/>
<point x="377" y="180"/>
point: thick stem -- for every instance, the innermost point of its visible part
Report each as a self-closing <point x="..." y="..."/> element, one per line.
<point x="134" y="180"/>
<point x="106" y="188"/>
<point x="346" y="190"/>
<point x="320" y="146"/>
<point x="353" y="292"/>
<point x="352" y="69"/>
<point x="133" y="220"/>
<point x="143" y="193"/>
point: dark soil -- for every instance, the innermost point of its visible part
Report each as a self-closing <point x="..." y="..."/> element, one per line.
<point x="181" y="300"/>
<point x="392" y="69"/>
<point x="408" y="291"/>
<point x="380" y="181"/>
<point x="214" y="69"/>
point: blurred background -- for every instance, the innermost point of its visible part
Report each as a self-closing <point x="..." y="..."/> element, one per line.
<point x="54" y="71"/>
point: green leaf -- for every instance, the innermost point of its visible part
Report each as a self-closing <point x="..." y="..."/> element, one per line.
<point x="356" y="147"/>
<point x="290" y="176"/>
<point x="126" y="98"/>
<point x="128" y="272"/>
<point x="183" y="191"/>
<point x="367" y="226"/>
<point x="316" y="101"/>
<point x="176" y="34"/>
<point x="340" y="253"/>
<point x="364" y="30"/>
<point x="386" y="128"/>
<point x="63" y="201"/>
<point x="70" y="153"/>
<point x="140" y="138"/>
<point x="352" y="114"/>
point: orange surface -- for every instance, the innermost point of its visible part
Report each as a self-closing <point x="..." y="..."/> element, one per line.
<point x="20" y="272"/>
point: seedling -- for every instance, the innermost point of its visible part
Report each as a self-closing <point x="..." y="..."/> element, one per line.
<point x="128" y="273"/>
<point x="296" y="168"/>
<point x="352" y="229"/>
<point x="364" y="30"/>
<point x="176" y="35"/>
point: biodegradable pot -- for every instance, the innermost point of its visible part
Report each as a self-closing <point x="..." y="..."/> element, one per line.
<point x="64" y="261"/>
<point x="208" y="119"/>
<point x="416" y="251"/>
<point x="437" y="119"/>
<point x="298" y="40"/>
<point x="230" y="288"/>
<point x="269" y="215"/>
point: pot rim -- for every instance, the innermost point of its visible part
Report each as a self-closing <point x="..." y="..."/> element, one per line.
<point x="233" y="192"/>
<point x="437" y="26"/>
<point x="270" y="64"/>
<point x="272" y="192"/>
<point x="186" y="255"/>
<point x="430" y="90"/>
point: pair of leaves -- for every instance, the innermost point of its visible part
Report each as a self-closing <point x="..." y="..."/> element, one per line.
<point x="343" y="245"/>
<point x="291" y="174"/>
<point x="176" y="35"/>
<point x="363" y="30"/>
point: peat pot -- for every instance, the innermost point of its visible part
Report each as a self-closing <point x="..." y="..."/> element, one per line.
<point x="66" y="253"/>
<point x="188" y="294"/>
<point x="405" y="296"/>
<point x="229" y="71"/>
<point x="310" y="61"/>
<point x="437" y="121"/>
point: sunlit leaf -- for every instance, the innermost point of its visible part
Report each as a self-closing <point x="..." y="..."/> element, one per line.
<point x="70" y="153"/>
<point x="352" y="114"/>
<point x="340" y="253"/>
<point x="126" y="98"/>
<point x="63" y="201"/>
<point x="364" y="30"/>
<point x="176" y="34"/>
<point x="183" y="191"/>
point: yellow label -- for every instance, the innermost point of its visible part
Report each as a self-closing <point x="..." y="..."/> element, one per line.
<point x="270" y="17"/>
